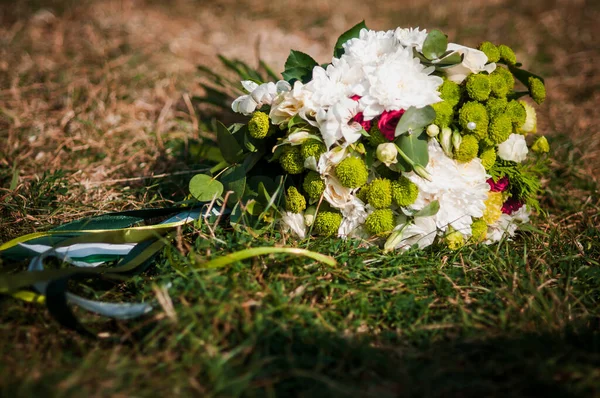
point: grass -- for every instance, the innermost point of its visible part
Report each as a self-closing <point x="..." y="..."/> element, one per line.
<point x="97" y="117"/>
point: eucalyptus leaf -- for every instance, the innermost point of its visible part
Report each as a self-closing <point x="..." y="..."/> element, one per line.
<point x="435" y="44"/>
<point x="414" y="147"/>
<point x="453" y="59"/>
<point x="415" y="119"/>
<point x="430" y="210"/>
<point x="231" y="150"/>
<point x="205" y="188"/>
<point x="234" y="179"/>
<point x="351" y="33"/>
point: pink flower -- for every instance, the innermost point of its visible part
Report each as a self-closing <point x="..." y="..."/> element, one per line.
<point x="498" y="186"/>
<point x="511" y="205"/>
<point x="355" y="97"/>
<point x="387" y="123"/>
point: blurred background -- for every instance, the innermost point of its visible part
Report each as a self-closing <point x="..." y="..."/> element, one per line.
<point x="102" y="88"/>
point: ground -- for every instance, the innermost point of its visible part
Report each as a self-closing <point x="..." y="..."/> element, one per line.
<point x="97" y="114"/>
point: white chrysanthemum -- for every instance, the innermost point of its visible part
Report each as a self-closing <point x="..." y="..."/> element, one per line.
<point x="260" y="95"/>
<point x="399" y="82"/>
<point x="474" y="61"/>
<point x="513" y="149"/>
<point x="507" y="224"/>
<point x="460" y="188"/>
<point x="340" y="80"/>
<point x="294" y="222"/>
<point x="354" y="215"/>
<point x="338" y="124"/>
<point x="298" y="101"/>
<point x="370" y="47"/>
<point x="411" y="37"/>
<point x="422" y="232"/>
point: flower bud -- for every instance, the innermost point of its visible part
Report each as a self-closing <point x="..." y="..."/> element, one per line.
<point x="541" y="145"/>
<point x="421" y="172"/>
<point x="446" y="140"/>
<point x="433" y="130"/>
<point x="456" y="140"/>
<point x="309" y="216"/>
<point x="387" y="153"/>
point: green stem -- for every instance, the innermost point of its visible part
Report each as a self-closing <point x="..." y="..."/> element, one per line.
<point x="260" y="251"/>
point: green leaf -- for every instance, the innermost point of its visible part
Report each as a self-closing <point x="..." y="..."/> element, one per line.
<point x="414" y="147"/>
<point x="415" y="119"/>
<point x="450" y="60"/>
<point x="522" y="75"/>
<point x="435" y="44"/>
<point x="297" y="73"/>
<point x="298" y="59"/>
<point x="205" y="188"/>
<point x="430" y="210"/>
<point x="351" y="33"/>
<point x="234" y="179"/>
<point x="231" y="150"/>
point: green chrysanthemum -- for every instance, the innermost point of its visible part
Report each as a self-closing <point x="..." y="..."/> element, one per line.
<point x="380" y="222"/>
<point x="258" y="126"/>
<point x="537" y="90"/>
<point x="450" y="92"/>
<point x="404" y="192"/>
<point x="517" y="113"/>
<point x="352" y="172"/>
<point x="473" y="114"/>
<point x="467" y="151"/>
<point x="541" y="145"/>
<point x="490" y="50"/>
<point x="313" y="185"/>
<point x="375" y="136"/>
<point x="312" y="147"/>
<point x="478" y="231"/>
<point x="500" y="128"/>
<point x="508" y="78"/>
<point x="495" y="106"/>
<point x="444" y="113"/>
<point x="327" y="223"/>
<point x="507" y="54"/>
<point x="488" y="158"/>
<point x="363" y="192"/>
<point x="498" y="85"/>
<point x="291" y="160"/>
<point x="294" y="201"/>
<point x="379" y="194"/>
<point x="478" y="86"/>
<point x="454" y="240"/>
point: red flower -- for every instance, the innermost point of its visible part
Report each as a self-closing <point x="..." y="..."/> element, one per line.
<point x="360" y="119"/>
<point x="511" y="205"/>
<point x="387" y="123"/>
<point x="498" y="186"/>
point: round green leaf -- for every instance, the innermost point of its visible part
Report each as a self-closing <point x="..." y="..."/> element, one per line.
<point x="205" y="188"/>
<point x="435" y="44"/>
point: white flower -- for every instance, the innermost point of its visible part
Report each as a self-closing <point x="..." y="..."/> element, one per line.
<point x="336" y="194"/>
<point x="474" y="62"/>
<point x="422" y="232"/>
<point x="340" y="80"/>
<point x="387" y="153"/>
<point x="260" y="95"/>
<point x="507" y="224"/>
<point x="289" y="104"/>
<point x="370" y="47"/>
<point x="411" y="37"/>
<point x="399" y="82"/>
<point x="354" y="215"/>
<point x="295" y="223"/>
<point x="338" y="123"/>
<point x="460" y="188"/>
<point x="513" y="149"/>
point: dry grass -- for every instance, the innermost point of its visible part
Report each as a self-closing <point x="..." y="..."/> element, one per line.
<point x="102" y="89"/>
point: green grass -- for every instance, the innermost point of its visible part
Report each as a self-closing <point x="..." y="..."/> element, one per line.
<point x="513" y="319"/>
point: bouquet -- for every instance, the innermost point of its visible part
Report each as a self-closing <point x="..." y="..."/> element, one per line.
<point x="402" y="139"/>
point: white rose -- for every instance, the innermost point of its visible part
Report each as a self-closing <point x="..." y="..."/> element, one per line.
<point x="474" y="61"/>
<point x="513" y="149"/>
<point x="387" y="153"/>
